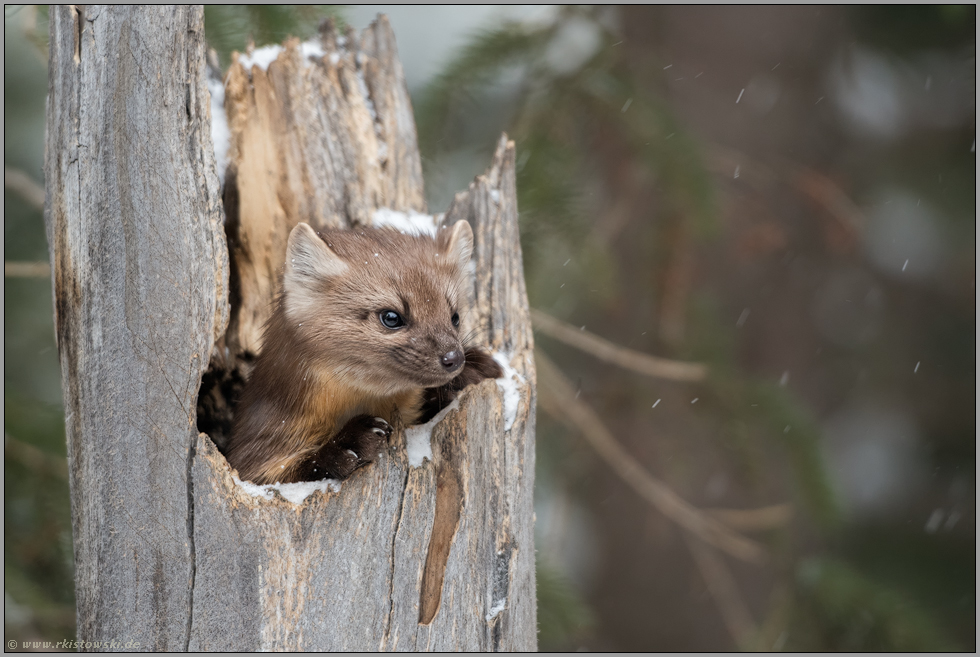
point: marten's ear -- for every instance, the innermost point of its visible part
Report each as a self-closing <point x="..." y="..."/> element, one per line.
<point x="309" y="259"/>
<point x="458" y="244"/>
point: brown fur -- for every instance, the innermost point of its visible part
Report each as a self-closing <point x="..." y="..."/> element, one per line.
<point x="328" y="365"/>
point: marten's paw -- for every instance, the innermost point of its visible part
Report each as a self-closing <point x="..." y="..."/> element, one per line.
<point x="361" y="441"/>
<point x="364" y="435"/>
<point x="479" y="366"/>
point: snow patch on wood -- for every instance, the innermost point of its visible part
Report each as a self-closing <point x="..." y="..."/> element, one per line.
<point x="220" y="133"/>
<point x="292" y="493"/>
<point x="312" y="49"/>
<point x="264" y="56"/>
<point x="510" y="384"/>
<point x="260" y="57"/>
<point x="418" y="439"/>
<point x="495" y="610"/>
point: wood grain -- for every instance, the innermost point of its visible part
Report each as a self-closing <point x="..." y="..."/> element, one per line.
<point x="139" y="269"/>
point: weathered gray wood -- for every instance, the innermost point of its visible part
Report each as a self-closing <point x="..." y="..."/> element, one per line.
<point x="139" y="269"/>
<point x="170" y="550"/>
<point x="502" y="315"/>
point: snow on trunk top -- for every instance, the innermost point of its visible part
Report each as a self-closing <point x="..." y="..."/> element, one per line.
<point x="260" y="57"/>
<point x="265" y="55"/>
<point x="411" y="223"/>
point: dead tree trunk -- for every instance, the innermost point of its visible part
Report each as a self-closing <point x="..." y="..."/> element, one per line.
<point x="170" y="551"/>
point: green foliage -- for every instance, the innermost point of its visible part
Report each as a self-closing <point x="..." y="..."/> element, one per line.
<point x="563" y="617"/>
<point x="648" y="129"/>
<point x="560" y="116"/>
<point x="37" y="544"/>
<point x="458" y="89"/>
<point x="839" y="609"/>
<point x="35" y="422"/>
<point x="763" y="413"/>
<point x="905" y="28"/>
<point x="789" y="423"/>
<point x="937" y="570"/>
<point x="231" y="27"/>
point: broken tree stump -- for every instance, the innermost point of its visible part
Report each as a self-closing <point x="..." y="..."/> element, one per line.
<point x="162" y="279"/>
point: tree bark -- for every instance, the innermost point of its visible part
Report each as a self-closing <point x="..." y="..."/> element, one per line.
<point x="170" y="551"/>
<point x="133" y="219"/>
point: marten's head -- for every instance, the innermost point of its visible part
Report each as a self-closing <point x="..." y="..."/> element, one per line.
<point x="376" y="307"/>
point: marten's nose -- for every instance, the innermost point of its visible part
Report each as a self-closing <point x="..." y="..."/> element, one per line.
<point x="452" y="361"/>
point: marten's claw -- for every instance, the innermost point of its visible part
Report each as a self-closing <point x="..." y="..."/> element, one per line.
<point x="361" y="441"/>
<point x="382" y="428"/>
<point x="366" y="436"/>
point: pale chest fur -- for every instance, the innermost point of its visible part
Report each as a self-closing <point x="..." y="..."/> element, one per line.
<point x="330" y="404"/>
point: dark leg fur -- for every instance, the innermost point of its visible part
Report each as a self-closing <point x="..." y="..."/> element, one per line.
<point x="479" y="366"/>
<point x="361" y="441"/>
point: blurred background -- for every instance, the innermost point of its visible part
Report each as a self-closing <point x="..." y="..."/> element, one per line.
<point x="784" y="196"/>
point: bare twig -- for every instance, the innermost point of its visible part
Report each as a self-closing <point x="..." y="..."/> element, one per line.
<point x="767" y="517"/>
<point x="17" y="181"/>
<point x="27" y="269"/>
<point x="27" y="15"/>
<point x="557" y="398"/>
<point x="40" y="42"/>
<point x="612" y="353"/>
<point x="724" y="590"/>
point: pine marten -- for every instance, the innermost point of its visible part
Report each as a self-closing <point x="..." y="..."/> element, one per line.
<point x="366" y="328"/>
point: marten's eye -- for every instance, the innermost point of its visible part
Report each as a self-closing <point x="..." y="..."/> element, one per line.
<point x="455" y="319"/>
<point x="391" y="319"/>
